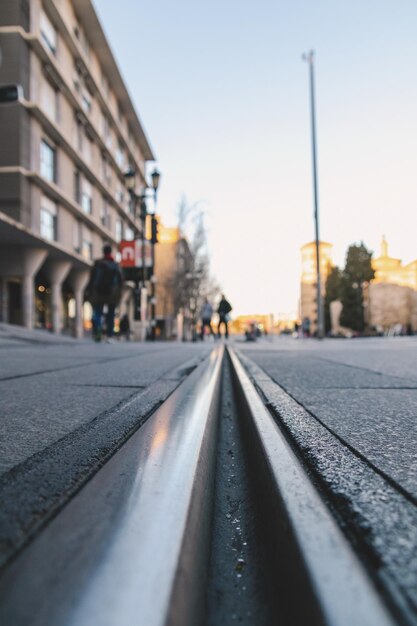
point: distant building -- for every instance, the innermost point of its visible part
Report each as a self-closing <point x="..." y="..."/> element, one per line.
<point x="392" y="271"/>
<point x="391" y="298"/>
<point x="308" y="295"/>
<point x="166" y="258"/>
<point x="172" y="254"/>
<point x="241" y="323"/>
<point x="64" y="150"/>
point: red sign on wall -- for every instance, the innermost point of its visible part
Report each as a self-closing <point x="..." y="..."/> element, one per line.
<point x="127" y="251"/>
<point x="131" y="253"/>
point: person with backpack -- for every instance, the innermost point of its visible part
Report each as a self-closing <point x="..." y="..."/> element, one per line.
<point x="223" y="310"/>
<point x="104" y="289"/>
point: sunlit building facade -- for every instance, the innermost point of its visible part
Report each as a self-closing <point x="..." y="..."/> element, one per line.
<point x="390" y="270"/>
<point x="391" y="298"/>
<point x="166" y="256"/>
<point x="65" y="148"/>
<point x="308" y="290"/>
<point x="242" y="323"/>
<point x="172" y="254"/>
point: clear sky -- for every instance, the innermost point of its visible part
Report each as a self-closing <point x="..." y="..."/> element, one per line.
<point x="223" y="95"/>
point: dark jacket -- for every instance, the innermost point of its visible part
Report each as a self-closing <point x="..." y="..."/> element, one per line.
<point x="224" y="307"/>
<point x="105" y="286"/>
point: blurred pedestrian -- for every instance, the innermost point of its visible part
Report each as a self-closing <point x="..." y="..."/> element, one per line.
<point x="125" y="326"/>
<point x="306" y="327"/>
<point x="223" y="310"/>
<point x="104" y="290"/>
<point x="206" y="315"/>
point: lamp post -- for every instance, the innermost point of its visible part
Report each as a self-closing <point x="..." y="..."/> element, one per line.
<point x="155" y="177"/>
<point x="309" y="58"/>
<point x="130" y="178"/>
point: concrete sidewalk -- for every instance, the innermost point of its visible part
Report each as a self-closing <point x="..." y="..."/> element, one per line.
<point x="66" y="407"/>
<point x="349" y="409"/>
<point x="12" y="335"/>
<point x="363" y="390"/>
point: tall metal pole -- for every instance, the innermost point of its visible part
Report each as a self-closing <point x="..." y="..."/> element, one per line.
<point x="309" y="57"/>
<point x="143" y="211"/>
<point x="137" y="313"/>
<point x="153" y="282"/>
<point x="154" y="240"/>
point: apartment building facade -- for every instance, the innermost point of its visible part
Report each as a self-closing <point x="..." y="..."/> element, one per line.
<point x="65" y="147"/>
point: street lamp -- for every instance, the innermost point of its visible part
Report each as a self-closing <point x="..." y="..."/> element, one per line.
<point x="155" y="178"/>
<point x="130" y="179"/>
<point x="309" y="58"/>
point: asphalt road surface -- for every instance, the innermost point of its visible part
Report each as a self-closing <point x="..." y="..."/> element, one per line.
<point x="66" y="406"/>
<point x="348" y="408"/>
<point x="48" y="390"/>
<point x="364" y="391"/>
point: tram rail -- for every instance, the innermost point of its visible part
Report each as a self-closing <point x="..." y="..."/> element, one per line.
<point x="134" y="546"/>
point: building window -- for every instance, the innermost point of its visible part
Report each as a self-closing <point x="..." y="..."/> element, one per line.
<point x="104" y="217"/>
<point x="119" y="230"/>
<point x="87" y="249"/>
<point x="120" y="157"/>
<point x="86" y="101"/>
<point x="77" y="79"/>
<point x="76" y="236"/>
<point x="80" y="35"/>
<point x="79" y="135"/>
<point x="120" y="196"/>
<point x="48" y="221"/>
<point x="131" y="207"/>
<point x="77" y="186"/>
<point x="80" y="87"/>
<point x="106" y="132"/>
<point x="49" y="100"/>
<point x="48" y="161"/>
<point x="105" y="85"/>
<point x="48" y="33"/>
<point x="87" y="149"/>
<point x="105" y="170"/>
<point x="129" y="233"/>
<point x="86" y="196"/>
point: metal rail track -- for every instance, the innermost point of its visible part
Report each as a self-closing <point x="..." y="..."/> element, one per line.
<point x="133" y="546"/>
<point x="322" y="580"/>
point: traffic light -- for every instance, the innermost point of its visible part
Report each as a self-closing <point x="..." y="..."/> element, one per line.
<point x="10" y="93"/>
<point x="154" y="230"/>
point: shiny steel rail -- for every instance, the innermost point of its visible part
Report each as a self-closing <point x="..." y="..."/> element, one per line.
<point x="131" y="547"/>
<point x="324" y="581"/>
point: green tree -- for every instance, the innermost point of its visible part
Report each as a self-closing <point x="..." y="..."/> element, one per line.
<point x="358" y="270"/>
<point x="333" y="283"/>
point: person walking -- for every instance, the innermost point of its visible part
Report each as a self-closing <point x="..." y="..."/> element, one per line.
<point x="206" y="315"/>
<point x="223" y="311"/>
<point x="104" y="289"/>
<point x="305" y="327"/>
